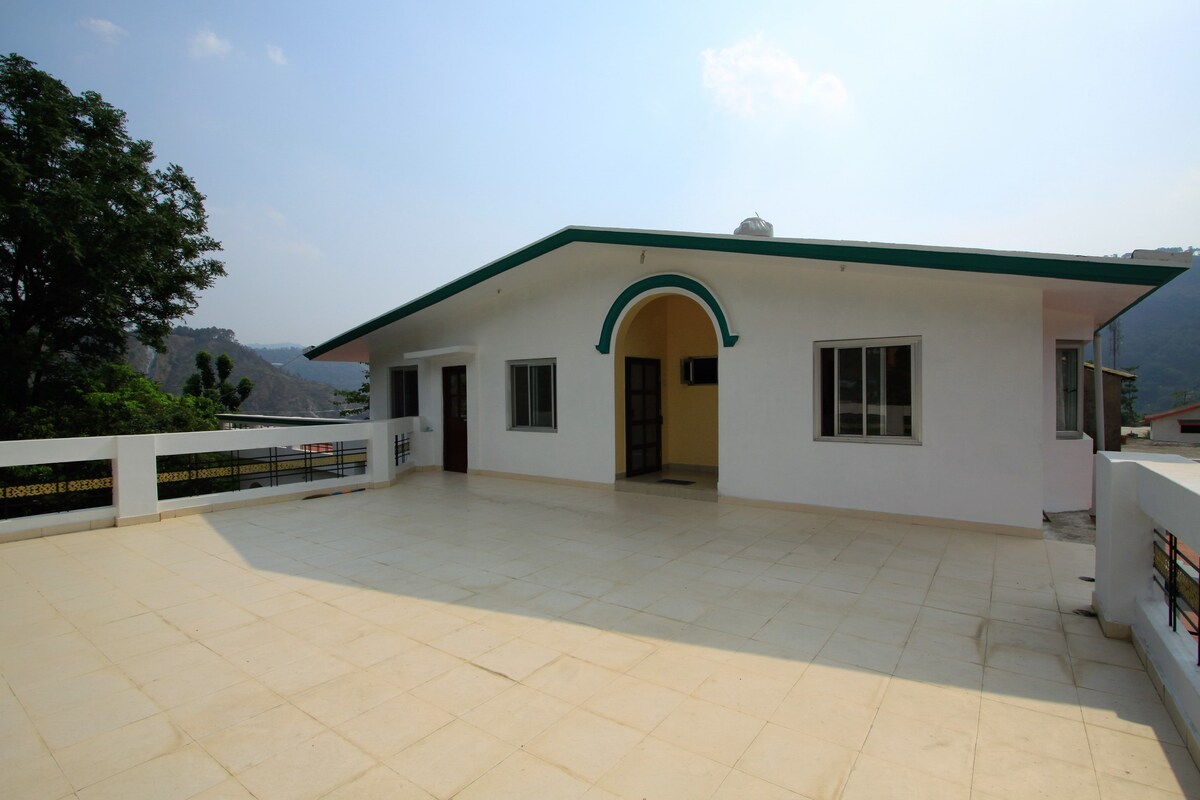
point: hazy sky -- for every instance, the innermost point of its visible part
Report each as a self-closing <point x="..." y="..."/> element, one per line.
<point x="356" y="155"/>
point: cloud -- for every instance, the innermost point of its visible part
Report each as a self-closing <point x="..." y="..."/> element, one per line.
<point x="754" y="77"/>
<point x="107" y="30"/>
<point x="206" y="43"/>
<point x="275" y="55"/>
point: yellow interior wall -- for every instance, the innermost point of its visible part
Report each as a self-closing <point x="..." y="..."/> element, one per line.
<point x="670" y="328"/>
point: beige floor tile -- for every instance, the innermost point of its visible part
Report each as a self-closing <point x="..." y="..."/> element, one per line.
<point x="674" y="669"/>
<point x="944" y="644"/>
<point x="1049" y="697"/>
<point x="344" y="697"/>
<point x="916" y="665"/>
<point x="656" y="770"/>
<point x="518" y="714"/>
<point x="944" y="706"/>
<point x="522" y="776"/>
<point x="634" y="702"/>
<point x="716" y="732"/>
<point x="942" y="752"/>
<point x="584" y="744"/>
<point x="876" y="779"/>
<point x="740" y="785"/>
<point x="470" y="641"/>
<point x="450" y="758"/>
<point x="462" y="688"/>
<point x="805" y="639"/>
<point x="35" y="776"/>
<point x="310" y="769"/>
<point x="1162" y="766"/>
<point x="1105" y="651"/>
<point x="856" y="652"/>
<point x="223" y="708"/>
<point x="825" y="716"/>
<point x="571" y="679"/>
<point x="258" y="738"/>
<point x="99" y="715"/>
<point x="1034" y="732"/>
<point x="1114" y="788"/>
<point x="744" y="691"/>
<point x="1114" y="680"/>
<point x="613" y="651"/>
<point x="414" y="666"/>
<point x="393" y="725"/>
<point x="809" y="766"/>
<point x="228" y="789"/>
<point x="179" y="774"/>
<point x="1029" y="662"/>
<point x="303" y="674"/>
<point x="103" y="756"/>
<point x="516" y="659"/>
<point x="49" y="697"/>
<point x="378" y="783"/>
<point x="1129" y="715"/>
<point x="1002" y="771"/>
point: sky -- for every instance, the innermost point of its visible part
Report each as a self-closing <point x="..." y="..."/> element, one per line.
<point x="357" y="155"/>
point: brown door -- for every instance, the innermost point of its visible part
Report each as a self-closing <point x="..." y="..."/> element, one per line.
<point x="454" y="419"/>
<point x="643" y="416"/>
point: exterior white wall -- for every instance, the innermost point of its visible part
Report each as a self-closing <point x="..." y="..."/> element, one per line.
<point x="982" y="378"/>
<point x="1167" y="429"/>
<point x="1068" y="483"/>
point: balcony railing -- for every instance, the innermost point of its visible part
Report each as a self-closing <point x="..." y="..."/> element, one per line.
<point x="59" y="484"/>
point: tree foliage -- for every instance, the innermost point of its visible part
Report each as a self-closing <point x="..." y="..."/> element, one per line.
<point x="94" y="242"/>
<point x="354" y="402"/>
<point x="216" y="386"/>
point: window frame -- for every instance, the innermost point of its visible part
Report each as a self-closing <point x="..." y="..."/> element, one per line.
<point x="1076" y="347"/>
<point x="511" y="385"/>
<point x="410" y="369"/>
<point x="912" y="342"/>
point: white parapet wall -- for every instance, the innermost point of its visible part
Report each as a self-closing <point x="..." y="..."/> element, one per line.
<point x="1137" y="493"/>
<point x="135" y="497"/>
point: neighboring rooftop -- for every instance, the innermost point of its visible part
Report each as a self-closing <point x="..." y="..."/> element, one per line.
<point x="474" y="637"/>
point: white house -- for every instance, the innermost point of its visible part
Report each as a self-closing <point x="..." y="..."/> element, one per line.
<point x="915" y="383"/>
<point x="1177" y="425"/>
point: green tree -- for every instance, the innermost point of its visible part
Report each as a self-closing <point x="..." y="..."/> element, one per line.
<point x="94" y="242"/>
<point x="216" y="387"/>
<point x="354" y="402"/>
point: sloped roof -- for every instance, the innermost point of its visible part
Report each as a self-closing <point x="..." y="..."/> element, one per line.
<point x="1038" y="265"/>
<point x="1172" y="412"/>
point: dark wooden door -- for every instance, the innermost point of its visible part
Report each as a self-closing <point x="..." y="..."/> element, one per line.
<point x="454" y="419"/>
<point x="643" y="416"/>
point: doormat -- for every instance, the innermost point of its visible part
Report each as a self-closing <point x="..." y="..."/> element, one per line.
<point x="675" y="482"/>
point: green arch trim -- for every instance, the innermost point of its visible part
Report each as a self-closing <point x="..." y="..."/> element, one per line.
<point x="663" y="282"/>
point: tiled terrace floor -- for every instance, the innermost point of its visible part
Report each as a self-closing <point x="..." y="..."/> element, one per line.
<point x="483" y="638"/>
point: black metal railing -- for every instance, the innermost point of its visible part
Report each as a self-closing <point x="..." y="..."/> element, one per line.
<point x="1176" y="573"/>
<point x="207" y="473"/>
<point x="401" y="449"/>
<point x="27" y="491"/>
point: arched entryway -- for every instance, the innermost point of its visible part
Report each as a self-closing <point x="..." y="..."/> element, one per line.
<point x="666" y="420"/>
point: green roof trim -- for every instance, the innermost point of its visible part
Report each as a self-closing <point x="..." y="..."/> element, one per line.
<point x="668" y="281"/>
<point x="1074" y="268"/>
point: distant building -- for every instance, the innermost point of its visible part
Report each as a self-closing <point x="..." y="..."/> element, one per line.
<point x="1114" y="379"/>
<point x="1177" y="425"/>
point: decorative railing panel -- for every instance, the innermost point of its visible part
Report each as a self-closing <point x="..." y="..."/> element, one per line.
<point x="1177" y="574"/>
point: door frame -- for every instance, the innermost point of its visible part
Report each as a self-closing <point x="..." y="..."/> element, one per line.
<point x="629" y="422"/>
<point x="454" y="426"/>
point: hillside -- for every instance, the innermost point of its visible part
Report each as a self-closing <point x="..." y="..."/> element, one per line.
<point x="290" y="359"/>
<point x="1161" y="338"/>
<point x="275" y="391"/>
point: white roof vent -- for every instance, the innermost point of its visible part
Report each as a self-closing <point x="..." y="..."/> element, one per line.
<point x="755" y="226"/>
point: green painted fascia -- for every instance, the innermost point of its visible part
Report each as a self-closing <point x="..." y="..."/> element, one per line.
<point x="668" y="281"/>
<point x="1099" y="270"/>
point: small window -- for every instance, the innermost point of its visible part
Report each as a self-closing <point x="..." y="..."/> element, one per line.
<point x="404" y="392"/>
<point x="533" y="400"/>
<point x="1068" y="382"/>
<point x="1189" y="426"/>
<point x="868" y="390"/>
<point x="699" y="370"/>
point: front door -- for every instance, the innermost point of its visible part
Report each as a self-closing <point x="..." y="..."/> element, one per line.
<point x="454" y="419"/>
<point x="643" y="416"/>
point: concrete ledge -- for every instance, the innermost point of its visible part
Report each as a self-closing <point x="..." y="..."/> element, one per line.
<point x="883" y="516"/>
<point x="1176" y="686"/>
<point x="142" y="519"/>
<point x="19" y="529"/>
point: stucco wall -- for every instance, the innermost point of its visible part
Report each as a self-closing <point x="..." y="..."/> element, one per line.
<point x="982" y="379"/>
<point x="1167" y="429"/>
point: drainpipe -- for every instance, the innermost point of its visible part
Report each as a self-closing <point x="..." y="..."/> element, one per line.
<point x="1098" y="394"/>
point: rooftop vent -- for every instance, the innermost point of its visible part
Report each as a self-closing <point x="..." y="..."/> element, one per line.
<point x="755" y="226"/>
